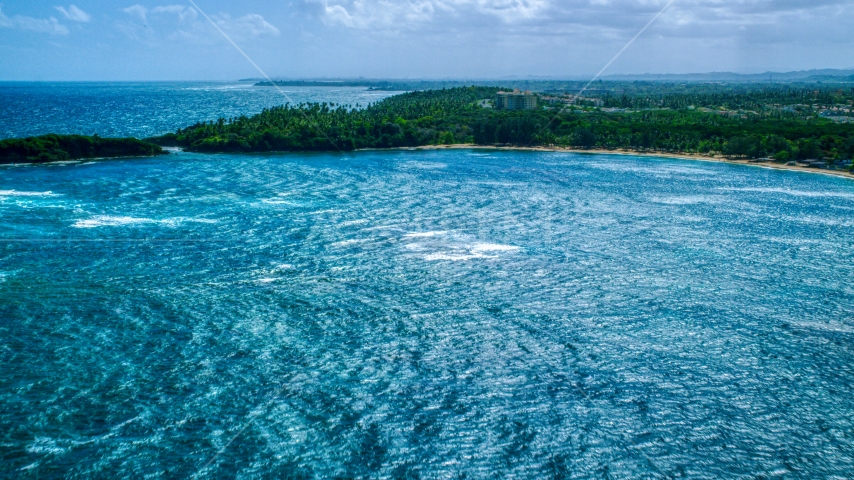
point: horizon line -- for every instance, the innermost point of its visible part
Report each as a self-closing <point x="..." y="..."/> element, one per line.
<point x="489" y="78"/>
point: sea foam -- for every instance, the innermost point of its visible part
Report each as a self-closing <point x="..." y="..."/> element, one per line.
<point x="17" y="193"/>
<point x="792" y="192"/>
<point x="124" y="221"/>
<point x="425" y="234"/>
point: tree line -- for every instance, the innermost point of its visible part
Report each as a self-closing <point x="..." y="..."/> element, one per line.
<point x="55" y="148"/>
<point x="451" y="116"/>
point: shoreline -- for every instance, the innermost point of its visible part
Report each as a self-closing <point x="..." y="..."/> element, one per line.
<point x="465" y="146"/>
<point x="600" y="151"/>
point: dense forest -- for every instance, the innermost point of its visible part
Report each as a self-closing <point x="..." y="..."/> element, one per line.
<point x="668" y="123"/>
<point x="753" y="101"/>
<point x="53" y="148"/>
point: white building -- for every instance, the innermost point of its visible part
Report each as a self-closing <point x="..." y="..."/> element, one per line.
<point x="516" y="100"/>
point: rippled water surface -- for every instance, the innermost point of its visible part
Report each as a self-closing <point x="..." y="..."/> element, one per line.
<point x="127" y="109"/>
<point x="425" y="314"/>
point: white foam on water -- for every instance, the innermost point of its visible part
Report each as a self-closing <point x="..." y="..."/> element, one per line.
<point x="347" y="243"/>
<point x="16" y="193"/>
<point x="826" y="327"/>
<point x="500" y="184"/>
<point x="458" y="253"/>
<point x="691" y="218"/>
<point x="124" y="221"/>
<point x="425" y="165"/>
<point x="493" y="247"/>
<point x="793" y="241"/>
<point x="45" y="446"/>
<point x="685" y="200"/>
<point x="63" y="162"/>
<point x="794" y="193"/>
<point x="280" y="201"/>
<point x="663" y="171"/>
<point x="111" y="221"/>
<point x="209" y="221"/>
<point x="456" y="257"/>
<point x="442" y="245"/>
<point x="425" y="234"/>
<point x="354" y="222"/>
<point x="816" y="220"/>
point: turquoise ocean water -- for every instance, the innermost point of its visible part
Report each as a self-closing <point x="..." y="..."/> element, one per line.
<point x="424" y="314"/>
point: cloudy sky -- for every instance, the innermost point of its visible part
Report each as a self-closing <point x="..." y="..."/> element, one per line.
<point x="171" y="40"/>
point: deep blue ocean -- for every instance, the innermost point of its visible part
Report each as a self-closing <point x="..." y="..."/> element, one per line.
<point x="415" y="314"/>
<point x="145" y="109"/>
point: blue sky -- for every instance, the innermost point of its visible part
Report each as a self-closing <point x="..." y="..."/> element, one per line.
<point x="170" y="40"/>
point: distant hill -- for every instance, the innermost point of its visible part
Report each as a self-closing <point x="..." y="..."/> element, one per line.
<point x="824" y="75"/>
<point x="613" y="84"/>
<point x="377" y="84"/>
<point x="820" y="75"/>
<point x="325" y="83"/>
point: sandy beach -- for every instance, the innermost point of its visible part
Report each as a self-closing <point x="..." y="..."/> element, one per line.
<point x="681" y="156"/>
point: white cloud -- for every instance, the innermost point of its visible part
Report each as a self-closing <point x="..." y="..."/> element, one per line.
<point x="182" y="12"/>
<point x="183" y="23"/>
<point x="43" y="25"/>
<point x="137" y="11"/>
<point x="250" y="25"/>
<point x="550" y="17"/>
<point x="510" y="10"/>
<point x="176" y="9"/>
<point x="74" y="14"/>
<point x="4" y="20"/>
<point x="369" y="14"/>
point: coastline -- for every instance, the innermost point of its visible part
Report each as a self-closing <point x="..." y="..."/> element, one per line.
<point x="466" y="146"/>
<point x="80" y="161"/>
<point x="679" y="156"/>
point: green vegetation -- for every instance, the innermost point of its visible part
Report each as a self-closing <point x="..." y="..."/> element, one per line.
<point x="775" y="101"/>
<point x="53" y="148"/>
<point x="737" y="124"/>
<point x="701" y="132"/>
<point x="412" y="119"/>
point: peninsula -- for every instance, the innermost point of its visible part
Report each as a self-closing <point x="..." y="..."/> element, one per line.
<point x="781" y="124"/>
<point x="57" y="148"/>
<point x="790" y="125"/>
